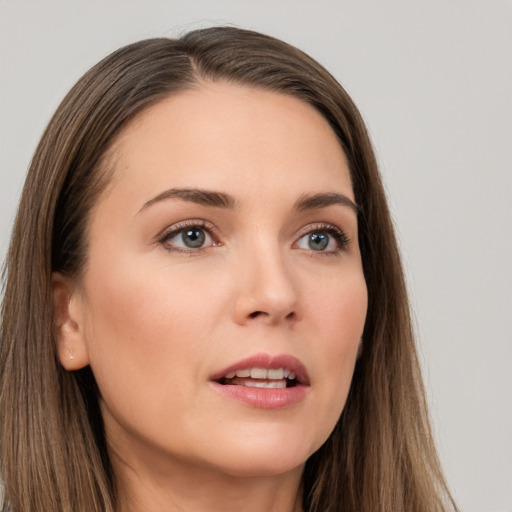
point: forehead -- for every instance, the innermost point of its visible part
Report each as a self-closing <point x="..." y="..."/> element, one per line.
<point x="231" y="137"/>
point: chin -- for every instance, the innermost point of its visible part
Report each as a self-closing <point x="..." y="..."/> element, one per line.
<point x="264" y="454"/>
<point x="260" y="467"/>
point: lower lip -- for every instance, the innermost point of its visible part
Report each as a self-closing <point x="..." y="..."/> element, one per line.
<point x="264" y="398"/>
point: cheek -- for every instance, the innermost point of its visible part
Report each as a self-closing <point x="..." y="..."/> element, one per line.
<point x="339" y="324"/>
<point x="349" y="309"/>
<point x="340" y="309"/>
<point x="145" y="326"/>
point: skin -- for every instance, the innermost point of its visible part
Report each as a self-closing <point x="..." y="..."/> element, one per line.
<point x="155" y="319"/>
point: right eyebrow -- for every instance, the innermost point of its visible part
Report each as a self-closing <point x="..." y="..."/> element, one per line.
<point x="323" y="200"/>
<point x="194" y="195"/>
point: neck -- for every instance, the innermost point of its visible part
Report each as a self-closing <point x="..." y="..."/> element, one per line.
<point x="185" y="487"/>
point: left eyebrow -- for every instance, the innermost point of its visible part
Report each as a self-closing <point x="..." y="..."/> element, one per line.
<point x="323" y="200"/>
<point x="194" y="195"/>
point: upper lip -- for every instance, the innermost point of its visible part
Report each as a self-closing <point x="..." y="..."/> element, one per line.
<point x="268" y="361"/>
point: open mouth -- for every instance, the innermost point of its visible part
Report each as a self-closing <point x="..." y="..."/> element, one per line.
<point x="264" y="381"/>
<point x="275" y="378"/>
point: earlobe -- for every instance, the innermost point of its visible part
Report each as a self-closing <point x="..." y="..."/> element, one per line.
<point x="67" y="328"/>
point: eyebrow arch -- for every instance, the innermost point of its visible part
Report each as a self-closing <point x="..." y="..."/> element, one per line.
<point x="194" y="195"/>
<point x="323" y="200"/>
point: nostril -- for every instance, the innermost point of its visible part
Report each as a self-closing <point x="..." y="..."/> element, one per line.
<point x="256" y="314"/>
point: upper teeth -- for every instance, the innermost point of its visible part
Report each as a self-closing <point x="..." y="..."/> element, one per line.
<point x="262" y="373"/>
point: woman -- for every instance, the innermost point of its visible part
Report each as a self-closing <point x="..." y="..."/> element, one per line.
<point x="204" y="304"/>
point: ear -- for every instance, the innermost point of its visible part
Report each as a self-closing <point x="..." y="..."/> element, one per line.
<point x="67" y="325"/>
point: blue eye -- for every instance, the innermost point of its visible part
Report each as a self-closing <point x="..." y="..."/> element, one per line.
<point x="187" y="238"/>
<point x="328" y="240"/>
<point x="318" y="241"/>
<point x="193" y="238"/>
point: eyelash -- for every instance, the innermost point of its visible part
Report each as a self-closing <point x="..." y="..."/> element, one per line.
<point x="340" y="238"/>
<point x="178" y="228"/>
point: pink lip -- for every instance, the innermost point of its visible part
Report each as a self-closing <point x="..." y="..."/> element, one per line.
<point x="270" y="362"/>
<point x="265" y="398"/>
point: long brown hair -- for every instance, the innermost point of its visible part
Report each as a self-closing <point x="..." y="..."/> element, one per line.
<point x="380" y="456"/>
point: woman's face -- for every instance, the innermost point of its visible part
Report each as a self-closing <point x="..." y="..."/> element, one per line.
<point x="225" y="246"/>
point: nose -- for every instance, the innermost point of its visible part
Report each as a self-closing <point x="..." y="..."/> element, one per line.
<point x="266" y="290"/>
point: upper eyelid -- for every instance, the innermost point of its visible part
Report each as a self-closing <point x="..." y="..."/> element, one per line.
<point x="319" y="226"/>
<point x="342" y="239"/>
<point x="170" y="232"/>
<point x="178" y="226"/>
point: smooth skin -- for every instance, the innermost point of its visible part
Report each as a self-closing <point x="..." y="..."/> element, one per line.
<point x="158" y="312"/>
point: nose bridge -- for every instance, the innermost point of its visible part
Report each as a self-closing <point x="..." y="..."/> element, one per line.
<point x="267" y="288"/>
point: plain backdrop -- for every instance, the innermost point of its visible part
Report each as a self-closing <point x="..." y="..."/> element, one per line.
<point x="434" y="83"/>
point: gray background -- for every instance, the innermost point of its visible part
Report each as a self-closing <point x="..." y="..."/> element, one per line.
<point x="434" y="83"/>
